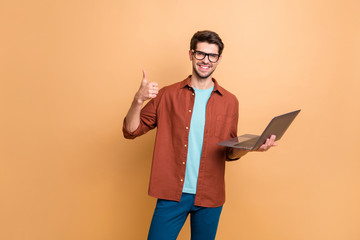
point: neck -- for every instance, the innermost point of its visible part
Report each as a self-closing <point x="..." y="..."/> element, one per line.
<point x="201" y="83"/>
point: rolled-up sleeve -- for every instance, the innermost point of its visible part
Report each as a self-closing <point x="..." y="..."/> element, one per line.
<point x="148" y="120"/>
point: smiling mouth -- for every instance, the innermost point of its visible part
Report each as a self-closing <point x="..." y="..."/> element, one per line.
<point x="204" y="67"/>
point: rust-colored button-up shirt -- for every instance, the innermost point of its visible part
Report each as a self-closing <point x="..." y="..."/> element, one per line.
<point x="171" y="113"/>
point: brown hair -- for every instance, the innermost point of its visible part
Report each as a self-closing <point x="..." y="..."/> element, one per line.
<point x="206" y="36"/>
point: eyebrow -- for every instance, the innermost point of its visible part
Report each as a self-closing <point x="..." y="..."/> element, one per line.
<point x="207" y="53"/>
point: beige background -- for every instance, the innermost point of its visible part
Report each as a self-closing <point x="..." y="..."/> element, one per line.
<point x="69" y="70"/>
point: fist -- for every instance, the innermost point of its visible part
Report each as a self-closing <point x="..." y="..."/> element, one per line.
<point x="147" y="90"/>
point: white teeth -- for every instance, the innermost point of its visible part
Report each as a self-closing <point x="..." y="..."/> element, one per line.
<point x="204" y="67"/>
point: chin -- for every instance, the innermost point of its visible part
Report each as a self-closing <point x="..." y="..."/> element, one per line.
<point x="203" y="76"/>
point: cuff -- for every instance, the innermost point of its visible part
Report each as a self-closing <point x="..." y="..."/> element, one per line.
<point x="128" y="134"/>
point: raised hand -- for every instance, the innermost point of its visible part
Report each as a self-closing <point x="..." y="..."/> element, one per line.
<point x="147" y="90"/>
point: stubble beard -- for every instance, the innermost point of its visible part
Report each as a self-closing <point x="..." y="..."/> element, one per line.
<point x="202" y="76"/>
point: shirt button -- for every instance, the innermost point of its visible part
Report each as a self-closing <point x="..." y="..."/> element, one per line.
<point x="189" y="110"/>
<point x="187" y="128"/>
<point x="183" y="163"/>
<point x="181" y="180"/>
<point x="185" y="145"/>
<point x="193" y="94"/>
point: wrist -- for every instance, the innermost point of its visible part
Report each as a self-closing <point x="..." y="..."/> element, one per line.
<point x="138" y="100"/>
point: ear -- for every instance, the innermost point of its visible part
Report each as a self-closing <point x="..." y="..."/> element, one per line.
<point x="190" y="55"/>
<point x="220" y="58"/>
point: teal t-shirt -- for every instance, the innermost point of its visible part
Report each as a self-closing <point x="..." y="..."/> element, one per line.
<point x="196" y="138"/>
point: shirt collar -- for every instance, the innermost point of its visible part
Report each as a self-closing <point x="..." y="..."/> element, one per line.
<point x="217" y="87"/>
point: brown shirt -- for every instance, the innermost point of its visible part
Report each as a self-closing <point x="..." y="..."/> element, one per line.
<point x="171" y="113"/>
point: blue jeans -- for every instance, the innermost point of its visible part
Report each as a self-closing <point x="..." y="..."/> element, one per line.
<point x="170" y="216"/>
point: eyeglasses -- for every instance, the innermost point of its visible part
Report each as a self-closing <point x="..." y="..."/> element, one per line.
<point x="201" y="55"/>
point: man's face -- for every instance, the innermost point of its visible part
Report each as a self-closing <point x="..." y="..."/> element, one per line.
<point x="204" y="68"/>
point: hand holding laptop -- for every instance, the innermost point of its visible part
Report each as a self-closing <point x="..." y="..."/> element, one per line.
<point x="245" y="143"/>
<point x="236" y="153"/>
<point x="270" y="142"/>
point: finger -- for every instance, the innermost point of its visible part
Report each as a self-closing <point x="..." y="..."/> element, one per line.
<point x="153" y="92"/>
<point x="144" y="74"/>
<point x="154" y="88"/>
<point x="262" y="148"/>
<point x="153" y="85"/>
<point x="266" y="145"/>
<point x="272" y="140"/>
<point x="153" y="95"/>
<point x="144" y="79"/>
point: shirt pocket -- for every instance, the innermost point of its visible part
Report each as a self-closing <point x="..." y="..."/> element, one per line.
<point x="223" y="126"/>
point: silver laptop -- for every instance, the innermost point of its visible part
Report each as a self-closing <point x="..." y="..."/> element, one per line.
<point x="277" y="126"/>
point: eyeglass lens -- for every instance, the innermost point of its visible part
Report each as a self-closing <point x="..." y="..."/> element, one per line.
<point x="201" y="55"/>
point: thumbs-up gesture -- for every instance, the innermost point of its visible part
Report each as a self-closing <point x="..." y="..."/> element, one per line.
<point x="147" y="90"/>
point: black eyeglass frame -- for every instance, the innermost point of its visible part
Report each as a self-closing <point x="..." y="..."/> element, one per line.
<point x="206" y="55"/>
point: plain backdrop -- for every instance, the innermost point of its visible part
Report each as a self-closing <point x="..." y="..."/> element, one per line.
<point x="68" y="74"/>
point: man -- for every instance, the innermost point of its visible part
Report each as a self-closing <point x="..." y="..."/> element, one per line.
<point x="191" y="116"/>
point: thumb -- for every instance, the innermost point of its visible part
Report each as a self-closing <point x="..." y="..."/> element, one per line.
<point x="144" y="80"/>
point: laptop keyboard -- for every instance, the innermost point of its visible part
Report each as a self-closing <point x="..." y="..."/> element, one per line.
<point x="249" y="143"/>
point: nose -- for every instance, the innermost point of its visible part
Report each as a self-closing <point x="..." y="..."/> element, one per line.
<point x="206" y="59"/>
